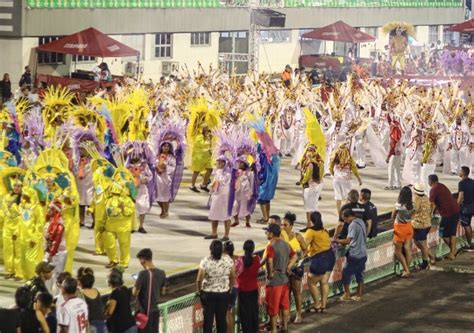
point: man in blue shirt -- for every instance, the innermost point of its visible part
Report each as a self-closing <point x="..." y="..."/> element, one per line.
<point x="466" y="201"/>
<point x="356" y="255"/>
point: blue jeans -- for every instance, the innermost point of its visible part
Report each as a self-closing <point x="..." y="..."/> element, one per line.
<point x="98" y="326"/>
<point x="132" y="329"/>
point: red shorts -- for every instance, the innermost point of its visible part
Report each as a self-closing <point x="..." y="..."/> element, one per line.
<point x="277" y="297"/>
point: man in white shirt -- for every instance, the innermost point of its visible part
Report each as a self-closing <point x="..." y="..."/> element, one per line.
<point x="72" y="314"/>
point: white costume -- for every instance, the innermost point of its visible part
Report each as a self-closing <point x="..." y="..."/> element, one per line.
<point x="459" y="140"/>
<point x="164" y="179"/>
<point x="243" y="193"/>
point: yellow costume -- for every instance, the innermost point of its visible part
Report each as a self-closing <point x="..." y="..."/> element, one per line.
<point x="11" y="235"/>
<point x="31" y="233"/>
<point x="101" y="183"/>
<point x="202" y="154"/>
<point x="71" y="224"/>
<point x="119" y="215"/>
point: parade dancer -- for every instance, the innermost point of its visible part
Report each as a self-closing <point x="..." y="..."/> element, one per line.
<point x="458" y="145"/>
<point x="219" y="200"/>
<point x="430" y="155"/>
<point x="55" y="249"/>
<point x="119" y="216"/>
<point x="412" y="167"/>
<point x="243" y="193"/>
<point x="140" y="162"/>
<point x="342" y="167"/>
<point x="394" y="155"/>
<point x="31" y="232"/>
<point x="169" y="163"/>
<point x="11" y="231"/>
<point x="312" y="170"/>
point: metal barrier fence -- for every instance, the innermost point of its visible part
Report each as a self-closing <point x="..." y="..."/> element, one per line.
<point x="184" y="314"/>
<point x="55" y="4"/>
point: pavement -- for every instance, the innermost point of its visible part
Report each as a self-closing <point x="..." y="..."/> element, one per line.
<point x="177" y="242"/>
<point x="438" y="300"/>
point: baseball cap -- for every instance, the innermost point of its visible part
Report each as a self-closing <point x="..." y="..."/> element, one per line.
<point x="273" y="228"/>
<point x="44" y="267"/>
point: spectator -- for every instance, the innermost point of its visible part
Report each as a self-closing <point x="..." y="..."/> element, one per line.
<point x="314" y="76"/>
<point x="402" y="229"/>
<point x="214" y="281"/>
<point x="280" y="260"/>
<point x="466" y="202"/>
<point x="28" y="317"/>
<point x="72" y="315"/>
<point x="248" y="289"/>
<point x="229" y="250"/>
<point x="5" y="88"/>
<point x="95" y="307"/>
<point x="322" y="261"/>
<point x="10" y="321"/>
<point x="118" y="309"/>
<point x="25" y="80"/>
<point x="422" y="224"/>
<point x="286" y="76"/>
<point x="329" y="76"/>
<point x="298" y="245"/>
<point x="371" y="209"/>
<point x="356" y="256"/>
<point x="145" y="290"/>
<point x="44" y="272"/>
<point x="442" y="199"/>
<point x="360" y="211"/>
<point x="44" y="303"/>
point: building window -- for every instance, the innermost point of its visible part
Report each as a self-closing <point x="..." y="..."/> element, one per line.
<point x="49" y="58"/>
<point x="275" y="36"/>
<point x="163" y="45"/>
<point x="449" y="37"/>
<point x="136" y="42"/>
<point x="373" y="31"/>
<point x="433" y="36"/>
<point x="82" y="58"/>
<point x="200" y="39"/>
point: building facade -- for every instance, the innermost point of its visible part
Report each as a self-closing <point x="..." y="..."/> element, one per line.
<point x="173" y="34"/>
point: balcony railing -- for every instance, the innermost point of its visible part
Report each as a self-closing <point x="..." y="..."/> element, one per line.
<point x="111" y="4"/>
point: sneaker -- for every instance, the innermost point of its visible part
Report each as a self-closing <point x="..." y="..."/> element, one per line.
<point x="142" y="230"/>
<point x="211" y="237"/>
<point x="194" y="189"/>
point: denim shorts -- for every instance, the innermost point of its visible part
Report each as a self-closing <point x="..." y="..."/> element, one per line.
<point x="322" y="263"/>
<point x="353" y="266"/>
<point x="421" y="234"/>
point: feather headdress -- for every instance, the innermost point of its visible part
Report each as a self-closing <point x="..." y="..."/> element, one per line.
<point x="404" y="27"/>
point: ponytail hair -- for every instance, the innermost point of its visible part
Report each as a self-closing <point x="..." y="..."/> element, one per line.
<point x="249" y="247"/>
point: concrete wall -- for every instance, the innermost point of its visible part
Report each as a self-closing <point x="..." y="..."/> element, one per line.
<point x="274" y="56"/>
<point x="125" y="21"/>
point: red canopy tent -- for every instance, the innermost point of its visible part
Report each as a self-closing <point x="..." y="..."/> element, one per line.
<point x="464" y="27"/>
<point x="89" y="42"/>
<point x="340" y="32"/>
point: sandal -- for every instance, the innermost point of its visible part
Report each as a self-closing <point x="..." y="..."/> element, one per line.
<point x="344" y="299"/>
<point x="314" y="309"/>
<point x="298" y="320"/>
<point x="405" y="275"/>
<point x="322" y="310"/>
<point x="356" y="298"/>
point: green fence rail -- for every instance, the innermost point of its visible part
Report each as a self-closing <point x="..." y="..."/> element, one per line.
<point x="111" y="4"/>
<point x="184" y="314"/>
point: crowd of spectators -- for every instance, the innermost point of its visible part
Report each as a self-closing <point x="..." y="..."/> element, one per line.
<point x="228" y="284"/>
<point x="73" y="305"/>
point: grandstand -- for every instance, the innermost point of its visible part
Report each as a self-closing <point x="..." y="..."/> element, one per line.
<point x="171" y="33"/>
